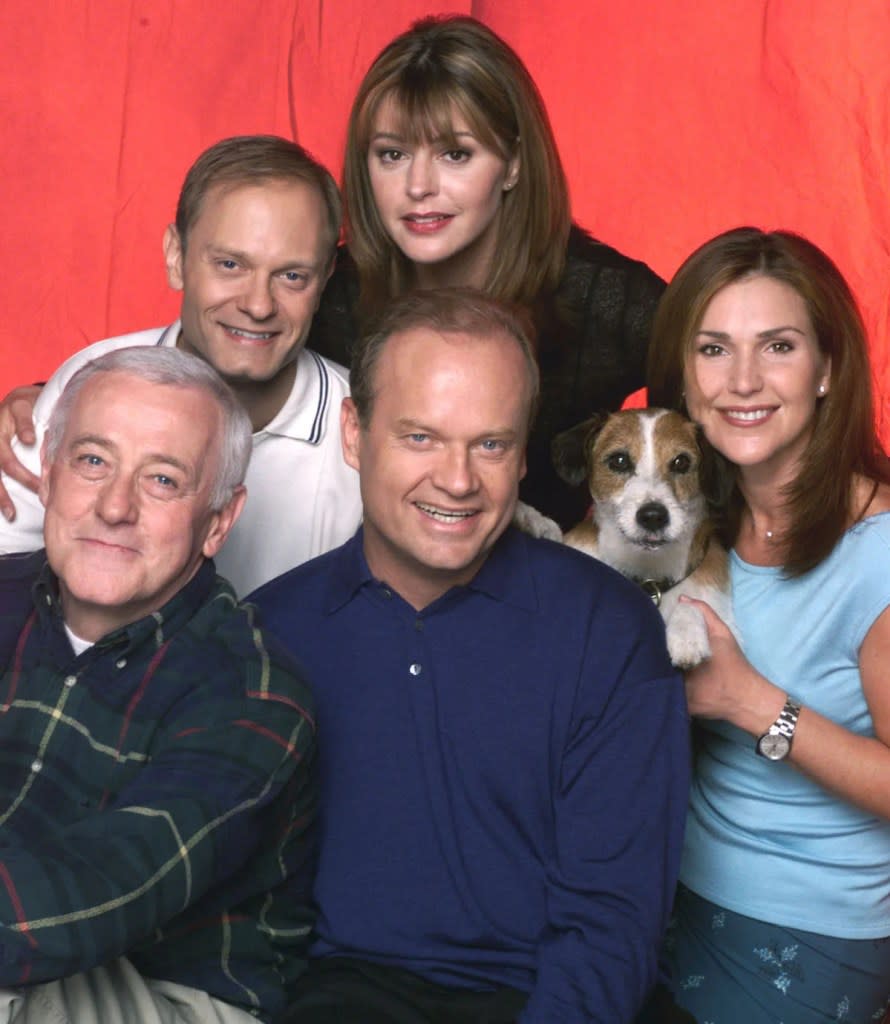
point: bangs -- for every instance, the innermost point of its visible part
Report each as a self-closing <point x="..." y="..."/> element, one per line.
<point x="422" y="111"/>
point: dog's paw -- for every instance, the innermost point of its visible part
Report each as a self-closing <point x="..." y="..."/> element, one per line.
<point x="535" y="523"/>
<point x="687" y="637"/>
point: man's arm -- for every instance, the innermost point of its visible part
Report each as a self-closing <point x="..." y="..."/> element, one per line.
<point x="231" y="780"/>
<point x="619" y="815"/>
<point x="16" y="420"/>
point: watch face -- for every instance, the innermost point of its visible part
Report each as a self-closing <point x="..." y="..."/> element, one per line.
<point x="775" y="747"/>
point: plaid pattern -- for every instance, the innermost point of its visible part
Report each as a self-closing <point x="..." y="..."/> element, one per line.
<point x="155" y="795"/>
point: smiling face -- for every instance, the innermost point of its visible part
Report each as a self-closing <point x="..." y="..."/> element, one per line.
<point x="127" y="496"/>
<point x="254" y="267"/>
<point x="441" y="458"/>
<point x="754" y="374"/>
<point x="439" y="200"/>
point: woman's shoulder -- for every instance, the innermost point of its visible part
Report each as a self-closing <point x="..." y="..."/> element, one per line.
<point x="597" y="275"/>
<point x="584" y="253"/>
<point x="869" y="534"/>
<point x="608" y="299"/>
<point x="871" y="498"/>
<point x="334" y="327"/>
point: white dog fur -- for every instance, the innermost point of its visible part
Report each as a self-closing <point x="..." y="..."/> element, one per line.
<point x="649" y="518"/>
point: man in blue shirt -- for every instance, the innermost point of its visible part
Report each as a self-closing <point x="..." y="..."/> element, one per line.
<point x="504" y="757"/>
<point x="155" y="746"/>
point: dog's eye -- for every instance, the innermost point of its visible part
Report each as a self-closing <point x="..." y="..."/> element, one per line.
<point x="619" y="462"/>
<point x="681" y="463"/>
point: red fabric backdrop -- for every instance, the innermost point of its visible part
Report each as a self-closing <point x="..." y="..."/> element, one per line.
<point x="675" y="121"/>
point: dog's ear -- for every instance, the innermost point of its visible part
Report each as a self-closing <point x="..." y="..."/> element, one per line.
<point x="569" y="450"/>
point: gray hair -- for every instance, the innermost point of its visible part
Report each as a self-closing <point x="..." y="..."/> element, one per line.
<point x="170" y="367"/>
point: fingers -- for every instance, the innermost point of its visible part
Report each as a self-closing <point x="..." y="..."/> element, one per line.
<point x="16" y="418"/>
<point x="712" y="619"/>
<point x="17" y="415"/>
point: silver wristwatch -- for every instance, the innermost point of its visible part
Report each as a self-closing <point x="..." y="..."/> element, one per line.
<point x="775" y="743"/>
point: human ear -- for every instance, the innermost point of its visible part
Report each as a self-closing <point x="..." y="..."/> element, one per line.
<point x="350" y="434"/>
<point x="825" y="382"/>
<point x="222" y="522"/>
<point x="173" y="257"/>
<point x="513" y="168"/>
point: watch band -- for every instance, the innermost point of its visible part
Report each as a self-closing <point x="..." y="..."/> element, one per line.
<point x="775" y="743"/>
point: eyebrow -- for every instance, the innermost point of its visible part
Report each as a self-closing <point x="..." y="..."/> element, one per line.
<point x="213" y="250"/>
<point x="98" y="441"/>
<point x="770" y="333"/>
<point x="417" y="426"/>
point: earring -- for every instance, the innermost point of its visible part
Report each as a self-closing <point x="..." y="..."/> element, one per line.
<point x="821" y="390"/>
<point x="508" y="185"/>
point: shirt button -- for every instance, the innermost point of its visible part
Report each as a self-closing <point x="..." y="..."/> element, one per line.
<point x="415" y="669"/>
<point x="121" y="663"/>
<point x="385" y="592"/>
<point x="36" y="764"/>
<point x="70" y="680"/>
<point x="418" y="625"/>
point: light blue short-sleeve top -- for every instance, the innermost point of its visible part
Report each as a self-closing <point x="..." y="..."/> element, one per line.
<point x="762" y="839"/>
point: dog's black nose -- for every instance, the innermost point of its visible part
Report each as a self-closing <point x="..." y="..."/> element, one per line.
<point x="653" y="516"/>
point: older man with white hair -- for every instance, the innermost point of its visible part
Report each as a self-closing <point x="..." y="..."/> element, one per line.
<point x="155" y="746"/>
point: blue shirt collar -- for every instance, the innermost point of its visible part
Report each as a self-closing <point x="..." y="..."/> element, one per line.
<point x="505" y="575"/>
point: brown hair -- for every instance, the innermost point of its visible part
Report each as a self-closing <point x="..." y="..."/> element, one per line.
<point x="252" y="160"/>
<point x="445" y="311"/>
<point x="443" y="64"/>
<point x="844" y="443"/>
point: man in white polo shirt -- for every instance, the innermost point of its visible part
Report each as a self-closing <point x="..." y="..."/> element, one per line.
<point x="251" y="250"/>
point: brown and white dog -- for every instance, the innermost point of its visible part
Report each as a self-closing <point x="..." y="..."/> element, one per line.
<point x="649" y="519"/>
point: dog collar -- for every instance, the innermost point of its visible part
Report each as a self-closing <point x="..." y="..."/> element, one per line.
<point x="656" y="589"/>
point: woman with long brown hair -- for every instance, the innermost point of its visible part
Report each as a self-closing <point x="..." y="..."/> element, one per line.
<point x="781" y="914"/>
<point x="452" y="177"/>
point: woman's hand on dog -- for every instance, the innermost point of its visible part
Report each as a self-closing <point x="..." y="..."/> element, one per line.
<point x="726" y="685"/>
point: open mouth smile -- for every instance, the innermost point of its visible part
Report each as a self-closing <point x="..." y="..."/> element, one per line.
<point x="747" y="415"/>
<point x="443" y="515"/>
<point x="426" y="222"/>
<point x="241" y="332"/>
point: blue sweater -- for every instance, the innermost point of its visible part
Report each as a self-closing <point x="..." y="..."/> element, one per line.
<point x="504" y="774"/>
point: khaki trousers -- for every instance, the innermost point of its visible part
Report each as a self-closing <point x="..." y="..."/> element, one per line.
<point x="115" y="994"/>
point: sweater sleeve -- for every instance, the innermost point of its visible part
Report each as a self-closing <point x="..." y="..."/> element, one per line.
<point x="229" y="776"/>
<point x="620" y="812"/>
<point x="591" y="358"/>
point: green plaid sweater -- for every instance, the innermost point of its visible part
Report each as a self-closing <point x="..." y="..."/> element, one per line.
<point x="156" y="794"/>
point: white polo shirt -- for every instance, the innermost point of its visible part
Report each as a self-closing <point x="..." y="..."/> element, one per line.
<point x="302" y="498"/>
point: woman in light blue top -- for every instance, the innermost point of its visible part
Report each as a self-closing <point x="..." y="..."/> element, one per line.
<point x="783" y="914"/>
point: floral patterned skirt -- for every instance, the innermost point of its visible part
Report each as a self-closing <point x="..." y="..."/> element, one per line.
<point x="730" y="969"/>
